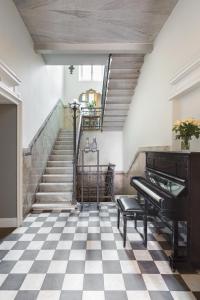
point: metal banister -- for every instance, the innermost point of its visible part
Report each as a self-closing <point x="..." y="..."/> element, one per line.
<point x="105" y="87"/>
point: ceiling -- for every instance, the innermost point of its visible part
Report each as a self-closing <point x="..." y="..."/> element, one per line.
<point x="62" y="22"/>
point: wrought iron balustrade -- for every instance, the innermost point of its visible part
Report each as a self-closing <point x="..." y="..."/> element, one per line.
<point x="91" y="118"/>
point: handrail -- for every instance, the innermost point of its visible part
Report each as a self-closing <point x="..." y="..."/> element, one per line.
<point x="143" y="150"/>
<point x="29" y="150"/>
<point x="78" y="138"/>
<point x="105" y="87"/>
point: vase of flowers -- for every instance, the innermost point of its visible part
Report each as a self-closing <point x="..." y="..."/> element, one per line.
<point x="185" y="130"/>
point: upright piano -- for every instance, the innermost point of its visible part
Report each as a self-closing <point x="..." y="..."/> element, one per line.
<point x="171" y="186"/>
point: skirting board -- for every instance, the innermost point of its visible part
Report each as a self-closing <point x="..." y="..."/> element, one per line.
<point x="8" y="222"/>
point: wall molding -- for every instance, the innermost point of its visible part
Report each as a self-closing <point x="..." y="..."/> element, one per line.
<point x="8" y="222"/>
<point x="8" y="85"/>
<point x="186" y="80"/>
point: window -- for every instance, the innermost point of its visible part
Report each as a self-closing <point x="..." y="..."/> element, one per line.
<point x="91" y="73"/>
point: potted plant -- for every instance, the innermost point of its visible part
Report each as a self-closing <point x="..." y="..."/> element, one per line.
<point x="185" y="130"/>
<point x="91" y="105"/>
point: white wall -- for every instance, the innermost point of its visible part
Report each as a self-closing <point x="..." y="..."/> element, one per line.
<point x="110" y="146"/>
<point x="186" y="107"/>
<point x="74" y="87"/>
<point x="41" y="85"/>
<point x="149" y="121"/>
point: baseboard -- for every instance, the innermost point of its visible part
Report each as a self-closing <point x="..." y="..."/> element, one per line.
<point x="8" y="222"/>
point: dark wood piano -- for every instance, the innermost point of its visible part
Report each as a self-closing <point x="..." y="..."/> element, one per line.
<point x="172" y="187"/>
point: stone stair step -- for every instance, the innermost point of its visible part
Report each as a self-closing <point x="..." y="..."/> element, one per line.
<point x="62" y="138"/>
<point x="53" y="197"/>
<point x="63" y="143"/>
<point x="59" y="171"/>
<point x="63" y="147"/>
<point x="58" y="163"/>
<point x="61" y="157"/>
<point x="55" y="187"/>
<point x="57" y="178"/>
<point x="53" y="206"/>
<point x="62" y="152"/>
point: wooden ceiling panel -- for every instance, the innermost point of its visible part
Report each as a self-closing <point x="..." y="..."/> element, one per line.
<point x="94" y="21"/>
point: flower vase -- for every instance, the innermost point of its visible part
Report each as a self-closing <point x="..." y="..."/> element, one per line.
<point x="185" y="144"/>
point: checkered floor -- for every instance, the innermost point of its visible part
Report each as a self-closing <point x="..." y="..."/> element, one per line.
<point x="80" y="255"/>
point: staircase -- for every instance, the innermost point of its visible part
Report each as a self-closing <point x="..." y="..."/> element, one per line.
<point x="55" y="189"/>
<point x="124" y="70"/>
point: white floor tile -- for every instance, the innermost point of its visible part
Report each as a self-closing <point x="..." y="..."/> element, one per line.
<point x="77" y="255"/>
<point x="20" y="230"/>
<point x="7" y="245"/>
<point x="93" y="229"/>
<point x="107" y="236"/>
<point x="45" y="255"/>
<point x="93" y="295"/>
<point x="153" y="245"/>
<point x="73" y="282"/>
<point x="49" y="295"/>
<point x="35" y="245"/>
<point x="142" y="255"/>
<point x="36" y="224"/>
<point x="80" y="237"/>
<point x="45" y="230"/>
<point x="138" y="295"/>
<point x="120" y="245"/>
<point x="114" y="282"/>
<point x="130" y="267"/>
<point x="110" y="255"/>
<point x="69" y="229"/>
<point x="33" y="282"/>
<point x="13" y="255"/>
<point x="54" y="237"/>
<point x="82" y="224"/>
<point x="134" y="237"/>
<point x="59" y="224"/>
<point x="57" y="266"/>
<point x="93" y="245"/>
<point x="155" y="282"/>
<point x="2" y="278"/>
<point x="27" y="237"/>
<point x="163" y="267"/>
<point x="8" y="295"/>
<point x="93" y="267"/>
<point x="22" y="267"/>
<point x="64" y="245"/>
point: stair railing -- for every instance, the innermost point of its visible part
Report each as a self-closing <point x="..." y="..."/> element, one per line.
<point x="77" y="131"/>
<point x="105" y="88"/>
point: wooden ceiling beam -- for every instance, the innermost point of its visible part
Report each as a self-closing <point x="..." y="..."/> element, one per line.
<point x="100" y="48"/>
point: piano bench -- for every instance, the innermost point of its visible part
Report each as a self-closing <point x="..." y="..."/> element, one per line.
<point x="130" y="210"/>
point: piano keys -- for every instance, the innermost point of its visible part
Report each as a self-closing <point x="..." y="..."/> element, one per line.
<point x="172" y="186"/>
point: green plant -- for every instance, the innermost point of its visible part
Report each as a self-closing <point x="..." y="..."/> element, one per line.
<point x="91" y="105"/>
<point x="185" y="130"/>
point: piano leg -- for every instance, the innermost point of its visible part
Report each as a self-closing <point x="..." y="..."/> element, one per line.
<point x="145" y="221"/>
<point x="135" y="222"/>
<point x="125" y="231"/>
<point x="174" y="257"/>
<point x="118" y="218"/>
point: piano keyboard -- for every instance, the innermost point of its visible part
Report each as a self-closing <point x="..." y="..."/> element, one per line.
<point x="147" y="190"/>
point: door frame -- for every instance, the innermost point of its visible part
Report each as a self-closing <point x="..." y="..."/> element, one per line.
<point x="9" y="94"/>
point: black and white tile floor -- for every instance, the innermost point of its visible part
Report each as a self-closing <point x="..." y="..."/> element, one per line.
<point x="80" y="255"/>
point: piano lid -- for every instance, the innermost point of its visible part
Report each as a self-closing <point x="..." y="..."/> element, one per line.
<point x="166" y="184"/>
